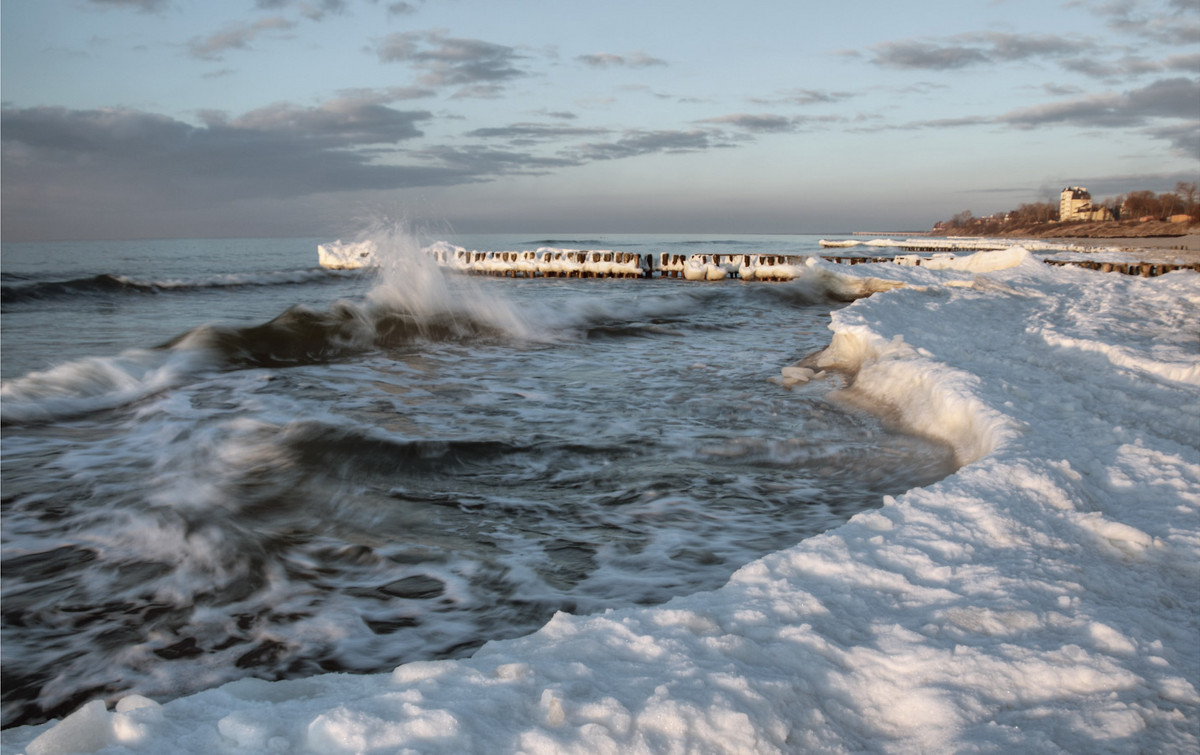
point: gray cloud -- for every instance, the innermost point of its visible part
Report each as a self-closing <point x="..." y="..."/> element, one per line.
<point x="816" y="97"/>
<point x="760" y="123"/>
<point x="129" y="169"/>
<point x="975" y="49"/>
<point x="145" y="6"/>
<point x="1008" y="47"/>
<point x="632" y="60"/>
<point x="1058" y="89"/>
<point x="488" y="162"/>
<point x="235" y="37"/>
<point x="342" y="122"/>
<point x="1112" y="185"/>
<point x="480" y="67"/>
<point x="312" y="9"/>
<point x="636" y="143"/>
<point x="280" y="151"/>
<point x="804" y="97"/>
<point x="1178" y="26"/>
<point x="534" y="132"/>
<point x="1171" y="99"/>
<point x="1166" y="98"/>
<point x="933" y="123"/>
<point x="926" y="56"/>
<point x="1184" y="138"/>
<point x="1131" y="66"/>
<point x="386" y="95"/>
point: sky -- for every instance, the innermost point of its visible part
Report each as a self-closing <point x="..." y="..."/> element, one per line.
<point x="168" y="118"/>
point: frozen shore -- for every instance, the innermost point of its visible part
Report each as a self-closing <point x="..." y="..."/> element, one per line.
<point x="1044" y="598"/>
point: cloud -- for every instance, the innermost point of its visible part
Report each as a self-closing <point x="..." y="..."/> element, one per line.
<point x="761" y="123"/>
<point x="235" y="37"/>
<point x="926" y="56"/>
<point x="386" y="95"/>
<point x="635" y="143"/>
<point x="804" y="97"/>
<point x="144" y="6"/>
<point x="1132" y="66"/>
<point x="975" y="49"/>
<point x="1164" y="109"/>
<point x="816" y="97"/>
<point x="480" y="67"/>
<point x="1184" y="138"/>
<point x="534" y="132"/>
<point x="632" y="60"/>
<point x="1112" y="185"/>
<point x="1179" y="26"/>
<point x="489" y="162"/>
<point x="933" y="123"/>
<point x="279" y="151"/>
<point x="311" y="9"/>
<point x="125" y="171"/>
<point x="342" y="122"/>
<point x="1058" y="89"/>
<point x="1166" y="98"/>
<point x="1010" y="47"/>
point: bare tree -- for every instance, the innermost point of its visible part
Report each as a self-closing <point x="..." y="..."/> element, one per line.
<point x="1188" y="193"/>
<point x="1171" y="203"/>
<point x="961" y="220"/>
<point x="1142" y="204"/>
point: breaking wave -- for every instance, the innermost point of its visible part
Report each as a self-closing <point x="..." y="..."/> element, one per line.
<point x="108" y="284"/>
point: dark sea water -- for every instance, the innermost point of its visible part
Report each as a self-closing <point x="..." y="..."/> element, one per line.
<point x="220" y="460"/>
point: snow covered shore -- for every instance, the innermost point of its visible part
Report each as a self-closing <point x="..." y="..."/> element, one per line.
<point x="1044" y="598"/>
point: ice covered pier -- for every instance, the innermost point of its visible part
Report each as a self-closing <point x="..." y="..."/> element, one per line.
<point x="705" y="267"/>
<point x="576" y="263"/>
<point x="559" y="263"/>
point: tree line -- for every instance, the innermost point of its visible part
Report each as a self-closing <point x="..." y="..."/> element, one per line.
<point x="1134" y="206"/>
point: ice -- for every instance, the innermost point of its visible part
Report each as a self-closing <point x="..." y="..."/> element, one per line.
<point x="85" y="730"/>
<point x="1044" y="598"/>
<point x="341" y="255"/>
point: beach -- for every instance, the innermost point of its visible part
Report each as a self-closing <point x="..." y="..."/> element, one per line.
<point x="1182" y="249"/>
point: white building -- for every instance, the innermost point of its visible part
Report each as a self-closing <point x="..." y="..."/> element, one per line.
<point x="1075" y="203"/>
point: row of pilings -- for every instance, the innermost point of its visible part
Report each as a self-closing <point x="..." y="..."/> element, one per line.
<point x="1144" y="269"/>
<point x="765" y="267"/>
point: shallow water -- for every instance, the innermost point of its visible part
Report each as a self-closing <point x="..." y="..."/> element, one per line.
<point x="345" y="471"/>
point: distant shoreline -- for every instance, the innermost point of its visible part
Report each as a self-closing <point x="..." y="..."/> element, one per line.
<point x="1146" y="241"/>
<point x="1101" y="229"/>
<point x="884" y="234"/>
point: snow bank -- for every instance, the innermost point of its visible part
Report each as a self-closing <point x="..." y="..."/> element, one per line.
<point x="1045" y="598"/>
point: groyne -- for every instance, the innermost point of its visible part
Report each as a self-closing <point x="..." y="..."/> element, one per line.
<point x="713" y="267"/>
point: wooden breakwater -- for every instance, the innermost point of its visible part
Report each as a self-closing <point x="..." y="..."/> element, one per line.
<point x="1144" y="269"/>
<point x="705" y="267"/>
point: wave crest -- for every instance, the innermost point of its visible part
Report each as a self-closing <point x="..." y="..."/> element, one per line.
<point x="108" y="284"/>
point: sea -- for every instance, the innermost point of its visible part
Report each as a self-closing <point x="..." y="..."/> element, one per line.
<point x="220" y="460"/>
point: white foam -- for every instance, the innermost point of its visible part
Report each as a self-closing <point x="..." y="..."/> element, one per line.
<point x="98" y="383"/>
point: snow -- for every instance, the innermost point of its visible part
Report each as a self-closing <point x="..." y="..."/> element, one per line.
<point x="347" y="256"/>
<point x="1044" y="598"/>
